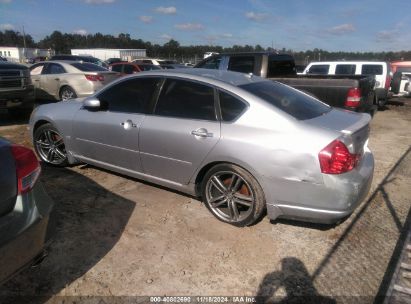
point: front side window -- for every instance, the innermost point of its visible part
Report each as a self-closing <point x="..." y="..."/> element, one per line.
<point x="186" y="99"/>
<point x="371" y="69"/>
<point x="293" y="102"/>
<point x="231" y="107"/>
<point x="320" y="69"/>
<point x="213" y="63"/>
<point x="242" y="64"/>
<point x="130" y="96"/>
<point x="345" y="69"/>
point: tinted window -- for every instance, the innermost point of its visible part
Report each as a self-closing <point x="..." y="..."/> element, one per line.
<point x="345" y="69"/>
<point x="130" y="96"/>
<point x="319" y="69"/>
<point x="231" y="107"/>
<point x="55" y="69"/>
<point x="128" y="69"/>
<point x="88" y="67"/>
<point x="186" y="99"/>
<point x="404" y="69"/>
<point x="293" y="102"/>
<point x="280" y="66"/>
<point x="116" y="68"/>
<point x="371" y="69"/>
<point x="243" y="64"/>
<point x="212" y="63"/>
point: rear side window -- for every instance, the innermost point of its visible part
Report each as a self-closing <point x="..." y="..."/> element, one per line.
<point x="242" y="64"/>
<point x="345" y="69"/>
<point x="88" y="67"/>
<point x="320" y="69"/>
<point x="231" y="107"/>
<point x="116" y="68"/>
<point x="279" y="66"/>
<point x="293" y="102"/>
<point x="130" y="96"/>
<point x="371" y="69"/>
<point x="186" y="99"/>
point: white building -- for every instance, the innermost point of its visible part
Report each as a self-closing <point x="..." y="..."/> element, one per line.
<point x="16" y="54"/>
<point x="104" y="54"/>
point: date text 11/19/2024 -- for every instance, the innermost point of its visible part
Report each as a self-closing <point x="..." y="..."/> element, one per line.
<point x="202" y="299"/>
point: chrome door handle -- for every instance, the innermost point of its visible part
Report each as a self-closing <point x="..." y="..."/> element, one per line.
<point x="201" y="133"/>
<point x="57" y="79"/>
<point x="128" y="124"/>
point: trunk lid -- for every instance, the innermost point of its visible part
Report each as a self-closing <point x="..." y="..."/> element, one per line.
<point x="354" y="127"/>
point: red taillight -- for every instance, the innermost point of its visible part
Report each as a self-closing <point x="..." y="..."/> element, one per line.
<point x="27" y="168"/>
<point x="353" y="98"/>
<point x="336" y="159"/>
<point x="94" y="77"/>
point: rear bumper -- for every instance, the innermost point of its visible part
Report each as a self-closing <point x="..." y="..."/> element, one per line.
<point x="323" y="203"/>
<point x="24" y="232"/>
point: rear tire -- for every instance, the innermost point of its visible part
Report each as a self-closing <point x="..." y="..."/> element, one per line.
<point x="49" y="145"/>
<point x="67" y="93"/>
<point x="233" y="195"/>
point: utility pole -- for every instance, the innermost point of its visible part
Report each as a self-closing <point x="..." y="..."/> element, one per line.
<point x="24" y="44"/>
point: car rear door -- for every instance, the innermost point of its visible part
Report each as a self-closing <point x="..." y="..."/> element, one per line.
<point x="184" y="128"/>
<point x="110" y="136"/>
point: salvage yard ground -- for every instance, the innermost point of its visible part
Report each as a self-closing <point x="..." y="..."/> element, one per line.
<point x="117" y="236"/>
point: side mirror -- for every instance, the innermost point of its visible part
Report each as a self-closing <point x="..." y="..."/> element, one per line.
<point x="92" y="103"/>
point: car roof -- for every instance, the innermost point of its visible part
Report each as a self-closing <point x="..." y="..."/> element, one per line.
<point x="208" y="75"/>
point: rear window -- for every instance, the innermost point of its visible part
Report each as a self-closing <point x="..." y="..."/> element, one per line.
<point x="345" y="69"/>
<point x="320" y="69"/>
<point x="293" y="102"/>
<point x="280" y="66"/>
<point x="371" y="69"/>
<point x="88" y="67"/>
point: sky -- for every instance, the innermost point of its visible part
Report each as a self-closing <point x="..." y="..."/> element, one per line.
<point x="349" y="25"/>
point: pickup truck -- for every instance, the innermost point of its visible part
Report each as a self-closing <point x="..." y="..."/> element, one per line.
<point x="16" y="89"/>
<point x="352" y="92"/>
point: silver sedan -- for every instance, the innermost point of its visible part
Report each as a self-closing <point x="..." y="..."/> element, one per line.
<point x="244" y="144"/>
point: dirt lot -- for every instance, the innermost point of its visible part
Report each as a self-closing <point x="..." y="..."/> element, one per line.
<point x="117" y="236"/>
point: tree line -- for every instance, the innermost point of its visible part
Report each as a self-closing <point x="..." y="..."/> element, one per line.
<point x="62" y="43"/>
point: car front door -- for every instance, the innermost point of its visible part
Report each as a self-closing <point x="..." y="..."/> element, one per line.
<point x="51" y="78"/>
<point x="110" y="136"/>
<point x="183" y="129"/>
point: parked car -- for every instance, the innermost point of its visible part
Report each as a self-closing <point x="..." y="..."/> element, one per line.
<point x="381" y="70"/>
<point x="352" y="92"/>
<point x="401" y="66"/>
<point x="63" y="80"/>
<point x="400" y="84"/>
<point x="168" y="66"/>
<point x="113" y="60"/>
<point x="242" y="143"/>
<point x="16" y="89"/>
<point x="90" y="59"/>
<point x="25" y="208"/>
<point x="125" y="68"/>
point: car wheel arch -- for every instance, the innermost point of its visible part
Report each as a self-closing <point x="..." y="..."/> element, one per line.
<point x="66" y="85"/>
<point x="201" y="173"/>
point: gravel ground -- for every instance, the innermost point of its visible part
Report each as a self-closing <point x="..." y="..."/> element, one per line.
<point x="117" y="236"/>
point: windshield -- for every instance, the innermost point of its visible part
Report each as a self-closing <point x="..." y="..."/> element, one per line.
<point x="295" y="103"/>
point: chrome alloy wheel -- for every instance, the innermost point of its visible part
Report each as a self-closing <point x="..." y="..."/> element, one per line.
<point x="51" y="148"/>
<point x="67" y="93"/>
<point x="229" y="196"/>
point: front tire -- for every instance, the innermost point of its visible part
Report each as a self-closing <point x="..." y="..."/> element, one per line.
<point x="233" y="195"/>
<point x="49" y="145"/>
